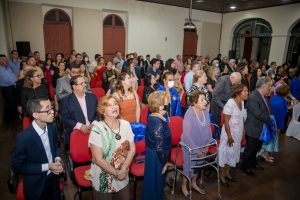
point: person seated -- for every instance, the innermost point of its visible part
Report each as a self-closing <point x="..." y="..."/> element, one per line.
<point x="149" y="88"/>
<point x="173" y="106"/>
<point x="130" y="70"/>
<point x="58" y="72"/>
<point x="37" y="154"/>
<point x="32" y="89"/>
<point x="79" y="109"/>
<point x="108" y="75"/>
<point x="154" y="69"/>
<point x="128" y="99"/>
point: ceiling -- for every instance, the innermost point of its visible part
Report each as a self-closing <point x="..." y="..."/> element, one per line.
<point x="223" y="6"/>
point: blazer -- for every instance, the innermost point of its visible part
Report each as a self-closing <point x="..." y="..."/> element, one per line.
<point x="222" y="91"/>
<point x="71" y="112"/>
<point x="29" y="157"/>
<point x="257" y="115"/>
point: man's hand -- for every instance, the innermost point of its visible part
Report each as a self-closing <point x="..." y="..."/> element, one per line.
<point x="85" y="128"/>
<point x="56" y="168"/>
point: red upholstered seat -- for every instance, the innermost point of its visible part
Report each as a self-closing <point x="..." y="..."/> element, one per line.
<point x="79" y="173"/>
<point x="243" y="143"/>
<point x="144" y="114"/>
<point x="179" y="161"/>
<point x="213" y="149"/>
<point x="99" y="92"/>
<point x="137" y="169"/>
<point x="140" y="91"/>
<point x="183" y="100"/>
<point x="79" y="149"/>
<point x="26" y="122"/>
<point x="98" y="84"/>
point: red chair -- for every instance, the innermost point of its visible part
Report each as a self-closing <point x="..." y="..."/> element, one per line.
<point x="26" y="122"/>
<point x="183" y="100"/>
<point x="99" y="92"/>
<point x="176" y="127"/>
<point x="144" y="114"/>
<point x="140" y="91"/>
<point x="142" y="82"/>
<point x="79" y="160"/>
<point x="51" y="92"/>
<point x="137" y="166"/>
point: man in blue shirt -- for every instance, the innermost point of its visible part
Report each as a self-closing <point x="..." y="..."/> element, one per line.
<point x="188" y="79"/>
<point x="14" y="62"/>
<point x="8" y="87"/>
<point x="154" y="70"/>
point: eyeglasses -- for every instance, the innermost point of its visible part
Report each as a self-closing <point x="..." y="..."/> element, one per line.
<point x="47" y="111"/>
<point x="82" y="84"/>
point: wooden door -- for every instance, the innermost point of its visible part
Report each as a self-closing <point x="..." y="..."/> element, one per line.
<point x="113" y="36"/>
<point x="190" y="42"/>
<point x="58" y="35"/>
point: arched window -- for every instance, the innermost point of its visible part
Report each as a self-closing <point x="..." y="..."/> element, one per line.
<point x="58" y="32"/>
<point x="113" y="36"/>
<point x="252" y="40"/>
<point x="293" y="55"/>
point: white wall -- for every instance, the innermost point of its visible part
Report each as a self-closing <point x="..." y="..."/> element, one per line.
<point x="281" y="19"/>
<point x="3" y="32"/>
<point x="147" y="25"/>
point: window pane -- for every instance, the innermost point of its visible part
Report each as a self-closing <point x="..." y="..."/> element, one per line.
<point x="51" y="16"/>
<point x="108" y="21"/>
<point x="118" y="21"/>
<point x="63" y="17"/>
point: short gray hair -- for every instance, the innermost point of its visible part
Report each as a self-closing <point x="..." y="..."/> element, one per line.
<point x="34" y="105"/>
<point x="262" y="81"/>
<point x="236" y="75"/>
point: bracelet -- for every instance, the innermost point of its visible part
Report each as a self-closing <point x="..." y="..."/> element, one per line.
<point x="116" y="171"/>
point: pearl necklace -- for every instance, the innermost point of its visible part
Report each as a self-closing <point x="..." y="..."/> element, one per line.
<point x="204" y="121"/>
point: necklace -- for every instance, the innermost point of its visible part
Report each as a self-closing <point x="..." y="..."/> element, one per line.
<point x="204" y="121"/>
<point x="117" y="135"/>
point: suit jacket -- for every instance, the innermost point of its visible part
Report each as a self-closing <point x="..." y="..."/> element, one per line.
<point x="257" y="115"/>
<point x="71" y="112"/>
<point x="29" y="156"/>
<point x="63" y="87"/>
<point x="222" y="91"/>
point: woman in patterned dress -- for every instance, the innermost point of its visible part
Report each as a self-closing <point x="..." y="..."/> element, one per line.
<point x="232" y="132"/>
<point x="199" y="84"/>
<point x="112" y="146"/>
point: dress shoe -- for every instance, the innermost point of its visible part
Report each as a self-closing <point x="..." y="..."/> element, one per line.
<point x="259" y="167"/>
<point x="231" y="179"/>
<point x="249" y="172"/>
<point x="224" y="183"/>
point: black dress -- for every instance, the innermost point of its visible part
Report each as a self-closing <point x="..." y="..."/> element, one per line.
<point x="147" y="91"/>
<point x="30" y="93"/>
<point x="106" y="74"/>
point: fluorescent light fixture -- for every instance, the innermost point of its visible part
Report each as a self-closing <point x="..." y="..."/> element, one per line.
<point x="199" y="1"/>
<point x="232" y="7"/>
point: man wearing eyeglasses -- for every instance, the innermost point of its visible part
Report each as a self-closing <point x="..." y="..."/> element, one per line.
<point x="63" y="87"/>
<point x="37" y="154"/>
<point x="79" y="109"/>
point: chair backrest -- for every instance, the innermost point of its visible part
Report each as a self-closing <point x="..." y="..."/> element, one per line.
<point x="51" y="91"/>
<point x="183" y="100"/>
<point x="98" y="84"/>
<point x="144" y="114"/>
<point x="142" y="82"/>
<point x="140" y="91"/>
<point x="79" y="149"/>
<point x="140" y="147"/>
<point x="176" y="126"/>
<point x="26" y="122"/>
<point x="296" y="112"/>
<point x="99" y="92"/>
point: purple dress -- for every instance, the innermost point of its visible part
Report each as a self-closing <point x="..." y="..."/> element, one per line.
<point x="194" y="134"/>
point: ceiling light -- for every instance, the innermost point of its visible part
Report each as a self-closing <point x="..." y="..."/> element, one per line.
<point x="199" y="1"/>
<point x="232" y="7"/>
<point x="189" y="24"/>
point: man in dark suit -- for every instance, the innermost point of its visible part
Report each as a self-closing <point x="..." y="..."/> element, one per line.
<point x="37" y="155"/>
<point x="258" y="111"/>
<point x="79" y="109"/>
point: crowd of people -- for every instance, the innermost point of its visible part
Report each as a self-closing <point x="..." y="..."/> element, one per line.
<point x="237" y="95"/>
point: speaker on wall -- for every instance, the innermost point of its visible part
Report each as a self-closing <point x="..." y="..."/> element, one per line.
<point x="23" y="48"/>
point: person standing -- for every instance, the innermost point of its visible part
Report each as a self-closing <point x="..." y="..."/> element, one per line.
<point x="159" y="142"/>
<point x="37" y="154"/>
<point x="8" y="88"/>
<point x="14" y="62"/>
<point x="258" y="111"/>
<point x="232" y="132"/>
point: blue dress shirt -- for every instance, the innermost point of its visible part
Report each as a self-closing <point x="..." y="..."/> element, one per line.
<point x="7" y="77"/>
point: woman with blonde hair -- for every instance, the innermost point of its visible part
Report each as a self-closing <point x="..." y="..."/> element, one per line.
<point x="158" y="141"/>
<point x="112" y="146"/>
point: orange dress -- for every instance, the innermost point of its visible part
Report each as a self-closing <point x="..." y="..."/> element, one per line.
<point x="128" y="109"/>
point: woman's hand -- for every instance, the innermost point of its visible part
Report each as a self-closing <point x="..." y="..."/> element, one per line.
<point x="167" y="165"/>
<point x="230" y="141"/>
<point x="122" y="173"/>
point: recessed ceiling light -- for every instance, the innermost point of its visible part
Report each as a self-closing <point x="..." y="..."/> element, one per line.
<point x="232" y="7"/>
<point x="199" y="1"/>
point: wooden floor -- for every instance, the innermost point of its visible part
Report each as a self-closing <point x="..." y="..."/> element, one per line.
<point x="279" y="181"/>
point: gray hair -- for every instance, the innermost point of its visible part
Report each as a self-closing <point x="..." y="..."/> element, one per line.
<point x="232" y="61"/>
<point x="236" y="75"/>
<point x="262" y="82"/>
<point x="34" y="105"/>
